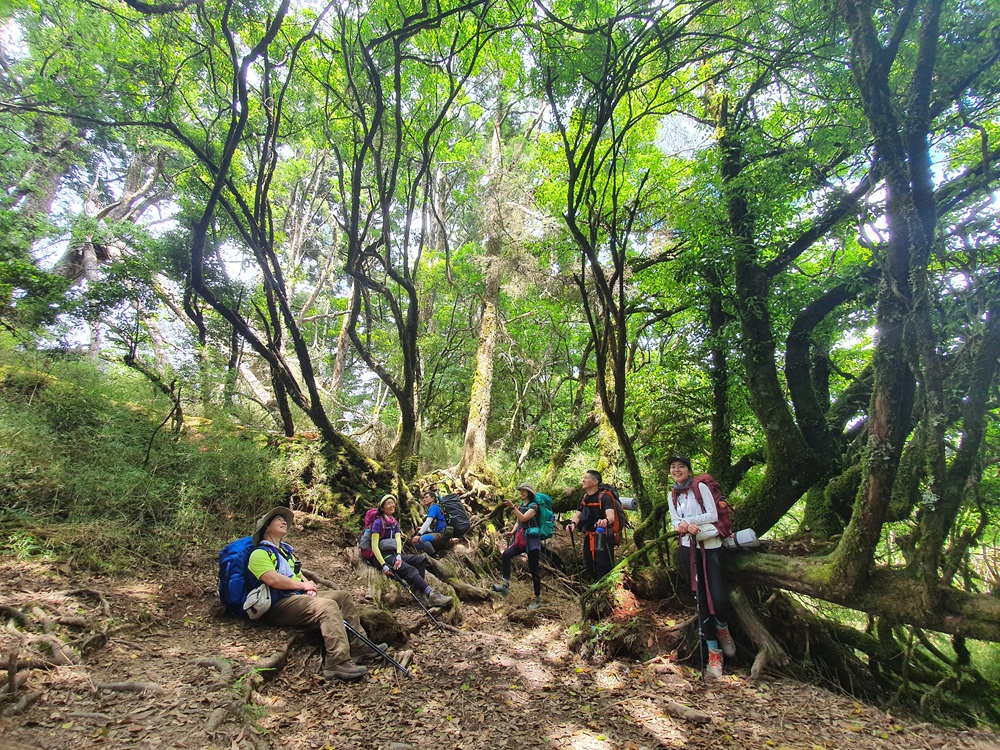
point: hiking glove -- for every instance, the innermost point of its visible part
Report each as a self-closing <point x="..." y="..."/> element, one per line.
<point x="396" y="563"/>
<point x="387" y="570"/>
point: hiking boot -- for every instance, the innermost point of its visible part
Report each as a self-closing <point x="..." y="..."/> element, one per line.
<point x="726" y="641"/>
<point x="713" y="671"/>
<point x="434" y="599"/>
<point x="535" y="604"/>
<point x="346" y="670"/>
<point x="500" y="588"/>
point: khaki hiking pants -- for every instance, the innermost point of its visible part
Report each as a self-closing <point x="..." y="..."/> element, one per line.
<point x="327" y="611"/>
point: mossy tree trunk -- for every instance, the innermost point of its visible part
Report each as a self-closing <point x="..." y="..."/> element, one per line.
<point x="473" y="459"/>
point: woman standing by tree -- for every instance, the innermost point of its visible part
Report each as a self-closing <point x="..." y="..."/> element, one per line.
<point x="694" y="517"/>
<point x="527" y="514"/>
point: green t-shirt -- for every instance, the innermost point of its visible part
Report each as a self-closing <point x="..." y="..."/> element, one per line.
<point x="262" y="560"/>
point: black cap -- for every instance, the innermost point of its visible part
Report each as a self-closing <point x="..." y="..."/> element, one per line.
<point x="682" y="459"/>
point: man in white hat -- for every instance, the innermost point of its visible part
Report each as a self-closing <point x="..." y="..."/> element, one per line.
<point x="297" y="602"/>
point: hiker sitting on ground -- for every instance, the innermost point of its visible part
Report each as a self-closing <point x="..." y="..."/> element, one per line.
<point x="695" y="521"/>
<point x="431" y="537"/>
<point x="296" y="601"/>
<point x="387" y="546"/>
<point x="596" y="510"/>
<point x="518" y="540"/>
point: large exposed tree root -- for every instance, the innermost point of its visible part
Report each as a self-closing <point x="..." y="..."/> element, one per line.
<point x="769" y="651"/>
<point x="14" y="614"/>
<point x="271" y="667"/>
<point x="52" y="647"/>
<point x="223" y="667"/>
<point x="22" y="704"/>
<point x="885" y="664"/>
<point x="686" y="713"/>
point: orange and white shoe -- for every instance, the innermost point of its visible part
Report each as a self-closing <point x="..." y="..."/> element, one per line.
<point x="713" y="671"/>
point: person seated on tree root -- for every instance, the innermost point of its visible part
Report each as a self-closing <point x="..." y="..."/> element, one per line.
<point x="518" y="541"/>
<point x="297" y="602"/>
<point x="387" y="546"/>
<point x="431" y="537"/>
<point x="702" y="559"/>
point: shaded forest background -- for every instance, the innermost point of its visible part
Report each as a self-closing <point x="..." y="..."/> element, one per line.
<point x="342" y="249"/>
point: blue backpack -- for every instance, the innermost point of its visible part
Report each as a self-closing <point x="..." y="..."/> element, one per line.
<point x="235" y="579"/>
<point x="545" y="527"/>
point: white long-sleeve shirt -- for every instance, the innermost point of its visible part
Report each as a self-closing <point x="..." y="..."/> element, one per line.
<point x="688" y="510"/>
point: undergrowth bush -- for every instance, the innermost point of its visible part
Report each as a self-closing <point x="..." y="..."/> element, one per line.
<point x="87" y="471"/>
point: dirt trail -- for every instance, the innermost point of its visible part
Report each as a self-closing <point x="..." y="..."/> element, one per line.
<point x="506" y="681"/>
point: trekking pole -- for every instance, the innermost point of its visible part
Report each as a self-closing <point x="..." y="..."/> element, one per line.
<point x="417" y="600"/>
<point x="383" y="654"/>
<point x="697" y="603"/>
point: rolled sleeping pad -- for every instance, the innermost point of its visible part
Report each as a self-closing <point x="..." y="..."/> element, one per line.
<point x="745" y="539"/>
<point x="628" y="503"/>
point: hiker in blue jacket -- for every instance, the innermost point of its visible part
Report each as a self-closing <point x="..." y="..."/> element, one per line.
<point x="297" y="602"/>
<point x="431" y="536"/>
<point x="700" y="540"/>
<point x="387" y="546"/>
<point x="518" y="541"/>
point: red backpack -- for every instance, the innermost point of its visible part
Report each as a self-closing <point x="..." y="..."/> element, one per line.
<point x="724" y="524"/>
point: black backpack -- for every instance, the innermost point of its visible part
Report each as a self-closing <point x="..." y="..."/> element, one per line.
<point x="455" y="514"/>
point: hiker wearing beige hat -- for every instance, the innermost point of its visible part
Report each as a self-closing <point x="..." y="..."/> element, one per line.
<point x="297" y="602"/>
<point x="518" y="541"/>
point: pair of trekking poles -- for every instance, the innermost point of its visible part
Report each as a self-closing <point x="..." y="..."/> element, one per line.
<point x="375" y="648"/>
<point x="702" y="645"/>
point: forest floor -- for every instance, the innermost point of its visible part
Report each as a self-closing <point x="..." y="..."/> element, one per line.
<point x="508" y="679"/>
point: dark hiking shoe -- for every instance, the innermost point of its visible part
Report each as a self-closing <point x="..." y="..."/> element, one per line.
<point x="713" y="671"/>
<point x="434" y="599"/>
<point x="500" y="588"/>
<point x="726" y="641"/>
<point x="346" y="670"/>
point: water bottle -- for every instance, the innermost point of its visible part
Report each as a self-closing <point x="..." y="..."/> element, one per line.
<point x="599" y="539"/>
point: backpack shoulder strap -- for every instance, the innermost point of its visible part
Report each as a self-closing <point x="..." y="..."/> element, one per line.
<point x="696" y="484"/>
<point x="270" y="554"/>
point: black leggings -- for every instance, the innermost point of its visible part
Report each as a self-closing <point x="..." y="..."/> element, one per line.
<point x="412" y="570"/>
<point x="597" y="563"/>
<point x="533" y="555"/>
<point x="716" y="587"/>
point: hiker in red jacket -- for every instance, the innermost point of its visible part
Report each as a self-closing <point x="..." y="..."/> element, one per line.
<point x="702" y="559"/>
